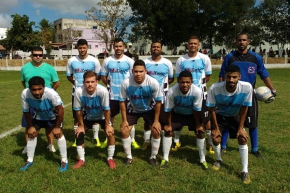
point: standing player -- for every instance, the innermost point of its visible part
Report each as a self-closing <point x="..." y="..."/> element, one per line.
<point x="140" y="89"/>
<point x="250" y="64"/>
<point x="93" y="99"/>
<point x="76" y="67"/>
<point x="200" y="67"/>
<point x="39" y="68"/>
<point x="49" y="111"/>
<point x="228" y="102"/>
<point x="161" y="69"/>
<point x="114" y="70"/>
<point x="182" y="106"/>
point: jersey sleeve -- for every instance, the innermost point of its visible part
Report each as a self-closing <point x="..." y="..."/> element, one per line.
<point x="224" y="66"/>
<point x="248" y="100"/>
<point x="55" y="98"/>
<point x="261" y="70"/>
<point x="69" y="70"/>
<point x="104" y="69"/>
<point x="169" y="101"/>
<point x="123" y="94"/>
<point x="208" y="67"/>
<point x="54" y="75"/>
<point x="25" y="105"/>
<point x="157" y="91"/>
<point x="197" y="103"/>
<point x="178" y="67"/>
<point x="170" y="72"/>
<point x="210" y="101"/>
<point x="105" y="99"/>
<point x="97" y="66"/>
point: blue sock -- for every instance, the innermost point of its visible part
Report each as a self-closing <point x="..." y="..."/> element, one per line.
<point x="254" y="138"/>
<point x="225" y="136"/>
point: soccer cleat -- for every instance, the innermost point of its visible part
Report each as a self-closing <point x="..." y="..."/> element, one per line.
<point x="164" y="164"/>
<point x="97" y="142"/>
<point x="26" y="166"/>
<point x="257" y="154"/>
<point x="245" y="177"/>
<point x="74" y="144"/>
<point x="79" y="164"/>
<point x="153" y="162"/>
<point x="24" y="151"/>
<point x="135" y="145"/>
<point x="111" y="164"/>
<point x="223" y="151"/>
<point x="175" y="146"/>
<point x="145" y="145"/>
<point x="209" y="148"/>
<point x="104" y="144"/>
<point x="128" y="161"/>
<point x="204" y="165"/>
<point x="51" y="148"/>
<point x="63" y="167"/>
<point x="217" y="165"/>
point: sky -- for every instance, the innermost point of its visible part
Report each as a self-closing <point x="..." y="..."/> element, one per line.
<point x="37" y="10"/>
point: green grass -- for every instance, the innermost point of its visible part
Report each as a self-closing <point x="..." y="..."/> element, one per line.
<point x="184" y="173"/>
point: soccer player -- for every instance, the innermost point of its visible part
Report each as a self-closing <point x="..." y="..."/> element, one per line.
<point x="250" y="64"/>
<point x="115" y="69"/>
<point x="182" y="106"/>
<point x="48" y="108"/>
<point x="228" y="102"/>
<point x="76" y="67"/>
<point x="37" y="67"/>
<point x="140" y="89"/>
<point x="161" y="69"/>
<point x="200" y="67"/>
<point x="93" y="99"/>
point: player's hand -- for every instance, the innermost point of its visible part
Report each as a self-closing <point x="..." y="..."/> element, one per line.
<point x="156" y="125"/>
<point x="31" y="132"/>
<point x="216" y="136"/>
<point x="167" y="128"/>
<point x="109" y="130"/>
<point x="80" y="130"/>
<point x="272" y="98"/>
<point x="57" y="132"/>
<point x="242" y="133"/>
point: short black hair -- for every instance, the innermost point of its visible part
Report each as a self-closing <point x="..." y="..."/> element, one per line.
<point x="193" y="37"/>
<point x="118" y="40"/>
<point x="139" y="63"/>
<point x="89" y="74"/>
<point x="36" y="80"/>
<point x="185" y="73"/>
<point x="233" y="68"/>
<point x="156" y="41"/>
<point x="36" y="48"/>
<point x="82" y="42"/>
<point x="242" y="33"/>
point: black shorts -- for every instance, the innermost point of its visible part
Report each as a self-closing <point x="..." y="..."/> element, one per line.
<point x="89" y="123"/>
<point x="72" y="103"/>
<point x="148" y="117"/>
<point x="114" y="107"/>
<point x="231" y="123"/>
<point x="252" y="115"/>
<point x="38" y="124"/>
<point x="204" y="111"/>
<point x="179" y="120"/>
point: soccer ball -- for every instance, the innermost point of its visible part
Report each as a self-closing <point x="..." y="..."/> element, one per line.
<point x="263" y="93"/>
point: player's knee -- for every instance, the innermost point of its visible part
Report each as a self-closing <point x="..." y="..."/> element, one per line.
<point x="125" y="132"/>
<point x="58" y="136"/>
<point x="200" y="134"/>
<point x="80" y="140"/>
<point x="168" y="133"/>
<point x="242" y="140"/>
<point x="216" y="141"/>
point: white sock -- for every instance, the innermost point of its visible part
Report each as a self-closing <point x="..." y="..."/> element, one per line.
<point x="177" y="136"/>
<point x="132" y="133"/>
<point x="217" y="152"/>
<point x="167" y="142"/>
<point x="209" y="139"/>
<point x="155" y="143"/>
<point x="61" y="142"/>
<point x="111" y="151"/>
<point x="31" y="145"/>
<point x="81" y="152"/>
<point x="96" y="129"/>
<point x="201" y="149"/>
<point x="243" y="149"/>
<point x="147" y="135"/>
<point x="127" y="146"/>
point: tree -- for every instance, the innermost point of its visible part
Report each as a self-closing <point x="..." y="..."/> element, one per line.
<point x="111" y="20"/>
<point x="47" y="32"/>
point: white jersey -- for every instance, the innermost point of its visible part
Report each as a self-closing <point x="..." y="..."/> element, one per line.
<point x="229" y="104"/>
<point x="140" y="95"/>
<point x="43" y="107"/>
<point x="93" y="105"/>
<point x="183" y="103"/>
<point x="116" y="70"/>
<point x="77" y="67"/>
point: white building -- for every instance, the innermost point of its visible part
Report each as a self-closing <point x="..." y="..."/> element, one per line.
<point x="3" y="33"/>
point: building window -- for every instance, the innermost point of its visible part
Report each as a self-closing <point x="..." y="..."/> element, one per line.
<point x="95" y="27"/>
<point x="96" y="46"/>
<point x="90" y="46"/>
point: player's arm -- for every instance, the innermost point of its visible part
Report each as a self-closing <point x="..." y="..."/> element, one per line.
<point x="59" y="119"/>
<point x="104" y="79"/>
<point x="23" y="84"/>
<point x="81" y="126"/>
<point x="71" y="79"/>
<point x="207" y="78"/>
<point x="170" y="80"/>
<point x="109" y="129"/>
<point x="55" y="85"/>
<point x="241" y="131"/>
<point x="168" y="127"/>
<point x="197" y="118"/>
<point x="268" y="83"/>
<point x="215" y="132"/>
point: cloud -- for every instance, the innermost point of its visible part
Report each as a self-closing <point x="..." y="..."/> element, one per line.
<point x="6" y="6"/>
<point x="37" y="12"/>
<point x="5" y="21"/>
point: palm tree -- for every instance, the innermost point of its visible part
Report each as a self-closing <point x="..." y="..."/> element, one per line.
<point x="47" y="32"/>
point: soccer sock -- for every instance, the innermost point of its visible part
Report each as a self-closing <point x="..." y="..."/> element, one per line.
<point x="167" y="142"/>
<point x="155" y="143"/>
<point x="209" y="139"/>
<point x="201" y="149"/>
<point x="31" y="145"/>
<point x="111" y="151"/>
<point x="217" y="152"/>
<point x="127" y="146"/>
<point x="96" y="129"/>
<point x="61" y="142"/>
<point x="225" y="136"/>
<point x="254" y="138"/>
<point x="132" y="133"/>
<point x="81" y="152"/>
<point x="243" y="149"/>
<point x="177" y="136"/>
<point x="75" y="128"/>
<point x="147" y="135"/>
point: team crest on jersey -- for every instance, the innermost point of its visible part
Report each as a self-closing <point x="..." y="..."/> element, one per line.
<point x="251" y="70"/>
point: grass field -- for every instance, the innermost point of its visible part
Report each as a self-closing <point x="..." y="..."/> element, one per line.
<point x="184" y="173"/>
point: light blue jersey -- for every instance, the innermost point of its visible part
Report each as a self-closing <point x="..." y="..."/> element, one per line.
<point x="77" y="67"/>
<point x="44" y="107"/>
<point x="93" y="105"/>
<point x="116" y="71"/>
<point x="229" y="104"/>
<point x="181" y="103"/>
<point x="140" y="95"/>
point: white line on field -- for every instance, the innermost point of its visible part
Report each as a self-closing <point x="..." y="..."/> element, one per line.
<point x="20" y="127"/>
